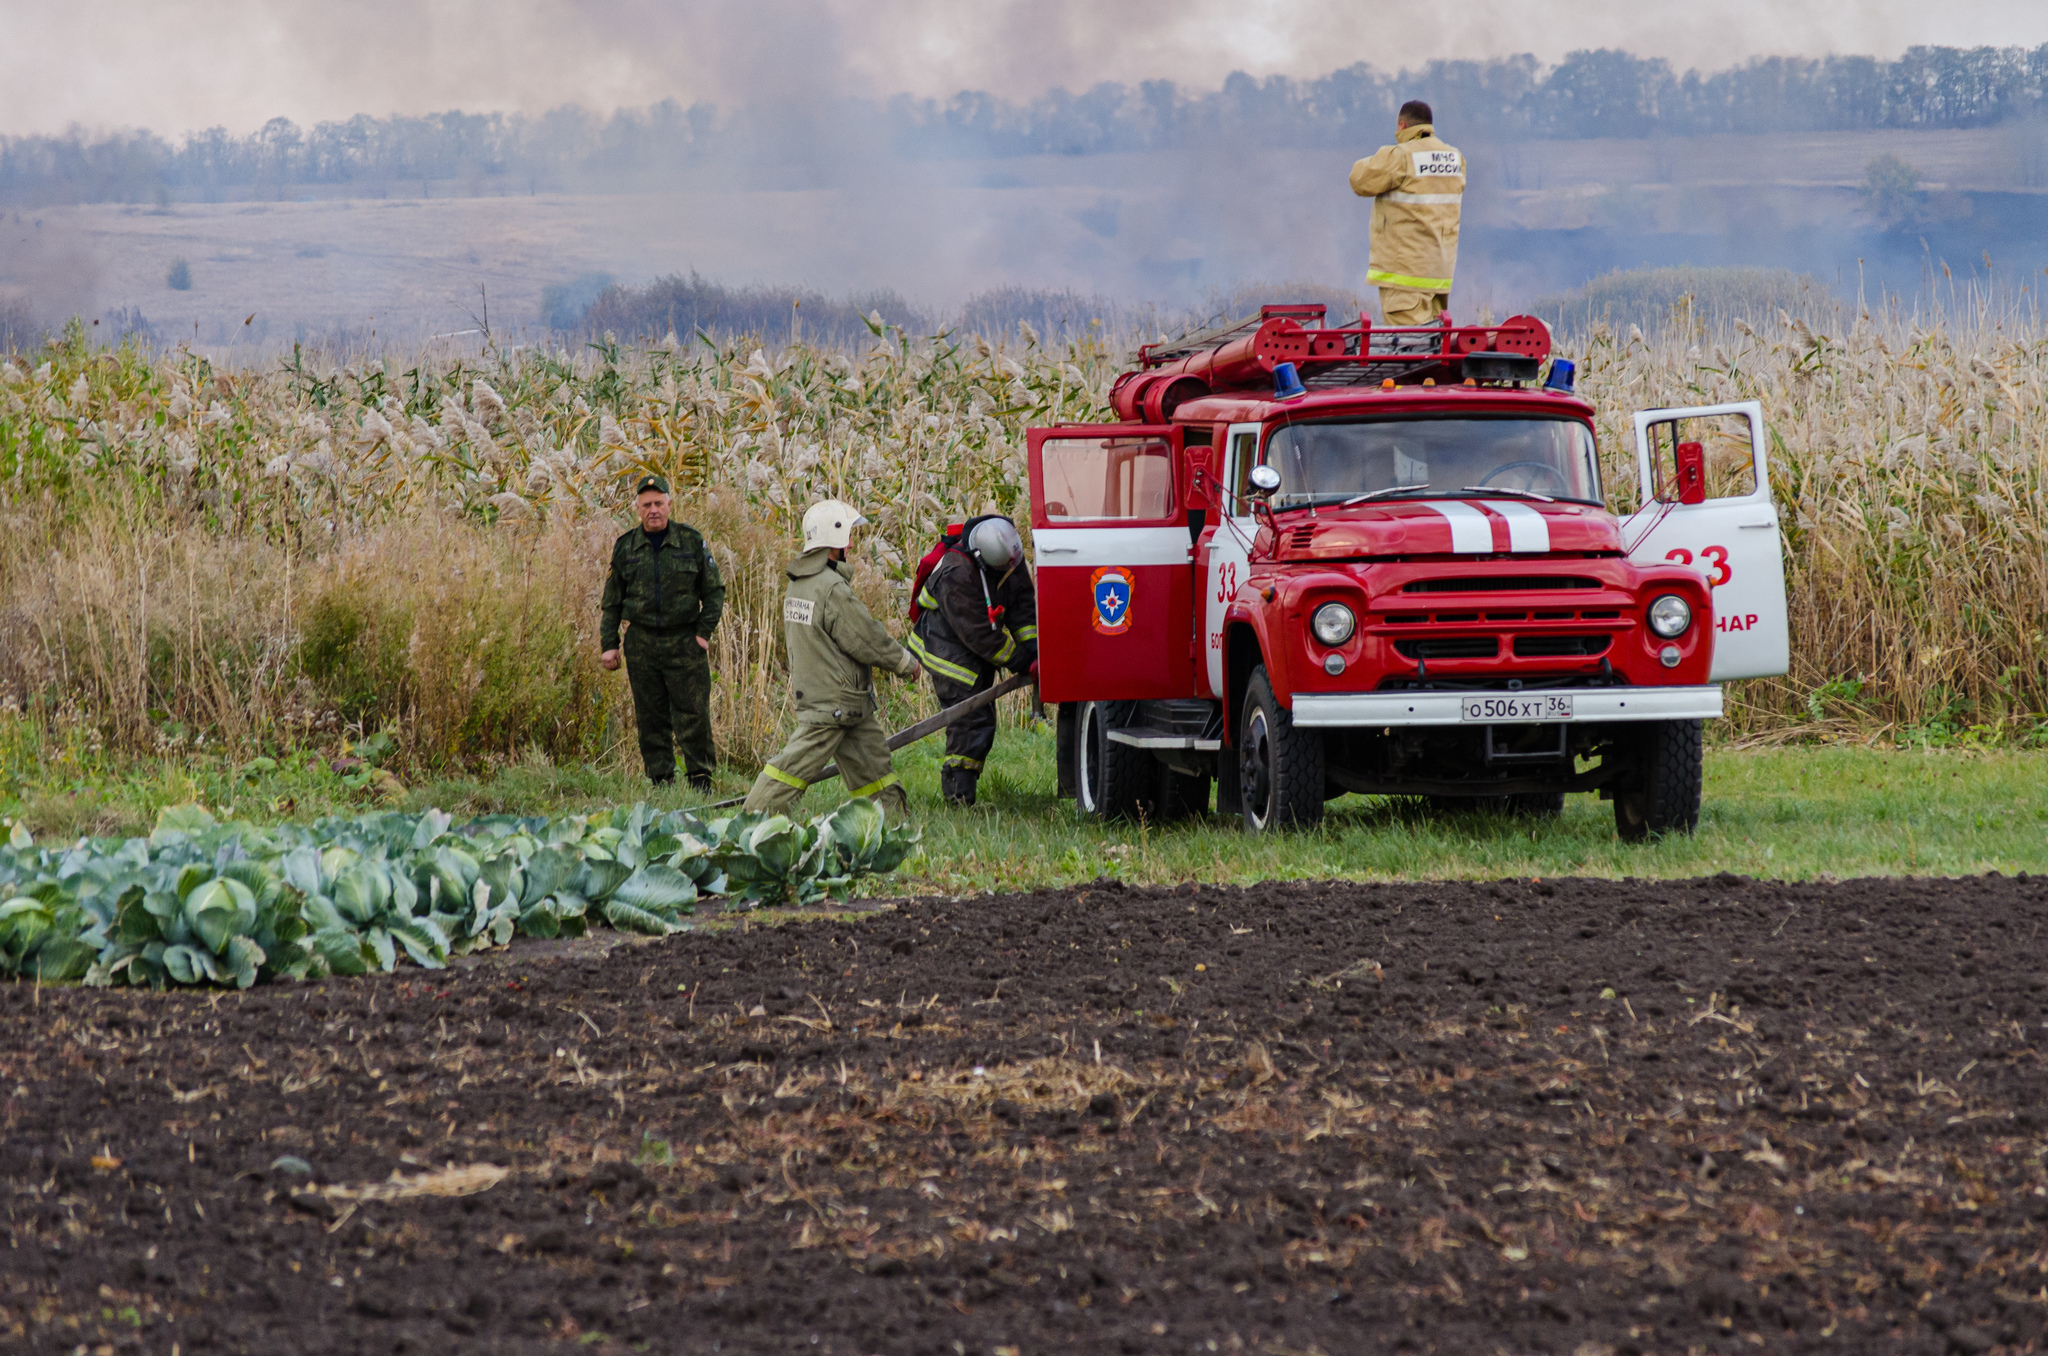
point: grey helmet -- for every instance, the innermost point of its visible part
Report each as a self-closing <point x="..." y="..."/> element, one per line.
<point x="995" y="543"/>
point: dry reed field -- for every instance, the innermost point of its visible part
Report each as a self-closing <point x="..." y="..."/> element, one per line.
<point x="192" y="556"/>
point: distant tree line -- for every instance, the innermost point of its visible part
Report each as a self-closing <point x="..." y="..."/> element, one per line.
<point x="1602" y="93"/>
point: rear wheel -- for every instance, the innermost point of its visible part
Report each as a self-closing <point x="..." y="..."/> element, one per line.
<point x="1280" y="768"/>
<point x="1111" y="780"/>
<point x="1660" y="791"/>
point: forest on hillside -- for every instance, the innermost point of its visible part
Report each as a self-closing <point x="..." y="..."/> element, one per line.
<point x="1604" y="93"/>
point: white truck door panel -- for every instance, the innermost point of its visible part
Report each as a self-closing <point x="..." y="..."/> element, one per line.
<point x="1732" y="539"/>
<point x="1229" y="545"/>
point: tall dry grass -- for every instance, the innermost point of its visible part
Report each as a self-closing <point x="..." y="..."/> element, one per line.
<point x="254" y="557"/>
<point x="1909" y="458"/>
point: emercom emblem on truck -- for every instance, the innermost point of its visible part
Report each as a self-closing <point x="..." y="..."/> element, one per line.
<point x="1311" y="560"/>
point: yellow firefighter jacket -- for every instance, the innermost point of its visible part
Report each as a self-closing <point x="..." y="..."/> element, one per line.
<point x="1419" y="183"/>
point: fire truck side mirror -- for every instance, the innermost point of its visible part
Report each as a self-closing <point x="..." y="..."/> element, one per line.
<point x="1691" y="461"/>
<point x="1264" y="480"/>
<point x="1197" y="495"/>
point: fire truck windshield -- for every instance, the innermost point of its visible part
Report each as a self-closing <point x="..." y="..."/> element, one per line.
<point x="1328" y="462"/>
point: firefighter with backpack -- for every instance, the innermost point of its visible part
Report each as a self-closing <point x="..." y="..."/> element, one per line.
<point x="973" y="610"/>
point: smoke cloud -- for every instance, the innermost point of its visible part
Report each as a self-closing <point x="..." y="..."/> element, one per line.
<point x="237" y="63"/>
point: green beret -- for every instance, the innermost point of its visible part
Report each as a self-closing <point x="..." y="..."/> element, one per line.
<point x="650" y="483"/>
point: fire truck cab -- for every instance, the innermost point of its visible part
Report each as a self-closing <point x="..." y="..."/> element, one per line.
<point x="1311" y="560"/>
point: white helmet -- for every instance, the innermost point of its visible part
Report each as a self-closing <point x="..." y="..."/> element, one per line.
<point x="830" y="523"/>
<point x="995" y="543"/>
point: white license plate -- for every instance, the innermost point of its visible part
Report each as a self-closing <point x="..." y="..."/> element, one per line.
<point x="1491" y="710"/>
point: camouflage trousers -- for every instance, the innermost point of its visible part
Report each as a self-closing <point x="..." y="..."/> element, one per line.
<point x="860" y="749"/>
<point x="671" y="679"/>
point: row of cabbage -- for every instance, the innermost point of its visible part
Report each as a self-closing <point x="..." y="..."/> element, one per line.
<point x="200" y="902"/>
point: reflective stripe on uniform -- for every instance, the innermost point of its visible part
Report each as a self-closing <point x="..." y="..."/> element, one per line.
<point x="961" y="760"/>
<point x="1009" y="648"/>
<point x="937" y="665"/>
<point x="777" y="774"/>
<point x="1026" y="633"/>
<point x="876" y="786"/>
<point x="1381" y="278"/>
<point x="1424" y="197"/>
<point x="925" y="599"/>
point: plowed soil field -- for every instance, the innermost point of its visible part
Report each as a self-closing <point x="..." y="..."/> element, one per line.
<point x="1575" y="1116"/>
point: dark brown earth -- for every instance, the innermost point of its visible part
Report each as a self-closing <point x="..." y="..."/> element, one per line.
<point x="1574" y="1116"/>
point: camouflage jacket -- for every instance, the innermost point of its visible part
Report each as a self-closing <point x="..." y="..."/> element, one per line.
<point x="672" y="587"/>
<point x="835" y="644"/>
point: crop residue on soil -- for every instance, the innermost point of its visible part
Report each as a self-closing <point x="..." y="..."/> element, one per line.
<point x="1575" y="1117"/>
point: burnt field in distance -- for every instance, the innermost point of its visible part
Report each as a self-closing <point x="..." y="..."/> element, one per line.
<point x="1716" y="1115"/>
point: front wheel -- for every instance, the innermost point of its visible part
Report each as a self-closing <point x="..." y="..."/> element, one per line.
<point x="1280" y="768"/>
<point x="1660" y="789"/>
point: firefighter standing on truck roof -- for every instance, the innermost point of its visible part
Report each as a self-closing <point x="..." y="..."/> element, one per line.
<point x="835" y="643"/>
<point x="977" y="612"/>
<point x="1417" y="185"/>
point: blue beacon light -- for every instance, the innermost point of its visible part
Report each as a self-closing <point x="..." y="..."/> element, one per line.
<point x="1287" y="383"/>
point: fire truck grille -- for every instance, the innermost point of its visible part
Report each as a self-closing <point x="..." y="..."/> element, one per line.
<point x="1561" y="647"/>
<point x="1512" y="583"/>
<point x="1450" y="647"/>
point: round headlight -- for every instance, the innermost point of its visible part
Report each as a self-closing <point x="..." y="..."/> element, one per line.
<point x="1333" y="623"/>
<point x="1670" y="616"/>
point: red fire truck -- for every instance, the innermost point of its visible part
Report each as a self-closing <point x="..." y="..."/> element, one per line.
<point x="1316" y="559"/>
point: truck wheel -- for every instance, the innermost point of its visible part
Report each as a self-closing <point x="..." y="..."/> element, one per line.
<point x="1111" y="780"/>
<point x="1063" y="747"/>
<point x="1280" y="768"/>
<point x="1660" y="791"/>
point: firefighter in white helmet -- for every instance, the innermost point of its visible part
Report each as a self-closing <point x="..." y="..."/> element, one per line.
<point x="1417" y="186"/>
<point x="976" y="612"/>
<point x="835" y="644"/>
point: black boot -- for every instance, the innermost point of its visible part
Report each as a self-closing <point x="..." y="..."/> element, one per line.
<point x="956" y="785"/>
<point x="700" y="781"/>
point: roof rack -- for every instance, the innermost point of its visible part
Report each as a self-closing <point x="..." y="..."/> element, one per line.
<point x="1242" y="355"/>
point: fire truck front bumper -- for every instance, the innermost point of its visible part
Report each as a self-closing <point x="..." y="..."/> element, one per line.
<point x="1539" y="706"/>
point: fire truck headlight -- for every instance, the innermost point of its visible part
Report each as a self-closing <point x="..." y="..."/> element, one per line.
<point x="1670" y="616"/>
<point x="1333" y="623"/>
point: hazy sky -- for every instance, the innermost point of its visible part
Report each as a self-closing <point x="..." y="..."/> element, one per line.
<point x="196" y="63"/>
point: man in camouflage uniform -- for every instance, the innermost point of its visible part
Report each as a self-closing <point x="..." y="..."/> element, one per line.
<point x="834" y="643"/>
<point x="978" y="612"/>
<point x="665" y="586"/>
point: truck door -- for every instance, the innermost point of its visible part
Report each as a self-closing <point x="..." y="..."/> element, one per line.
<point x="1229" y="544"/>
<point x="1111" y="551"/>
<point x="1706" y="495"/>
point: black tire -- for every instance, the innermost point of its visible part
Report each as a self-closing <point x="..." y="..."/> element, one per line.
<point x="1112" y="781"/>
<point x="1280" y="768"/>
<point x="1660" y="791"/>
<point x="1064" y="724"/>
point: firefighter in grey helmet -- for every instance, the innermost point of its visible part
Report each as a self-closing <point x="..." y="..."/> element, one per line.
<point x="835" y="644"/>
<point x="977" y="613"/>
